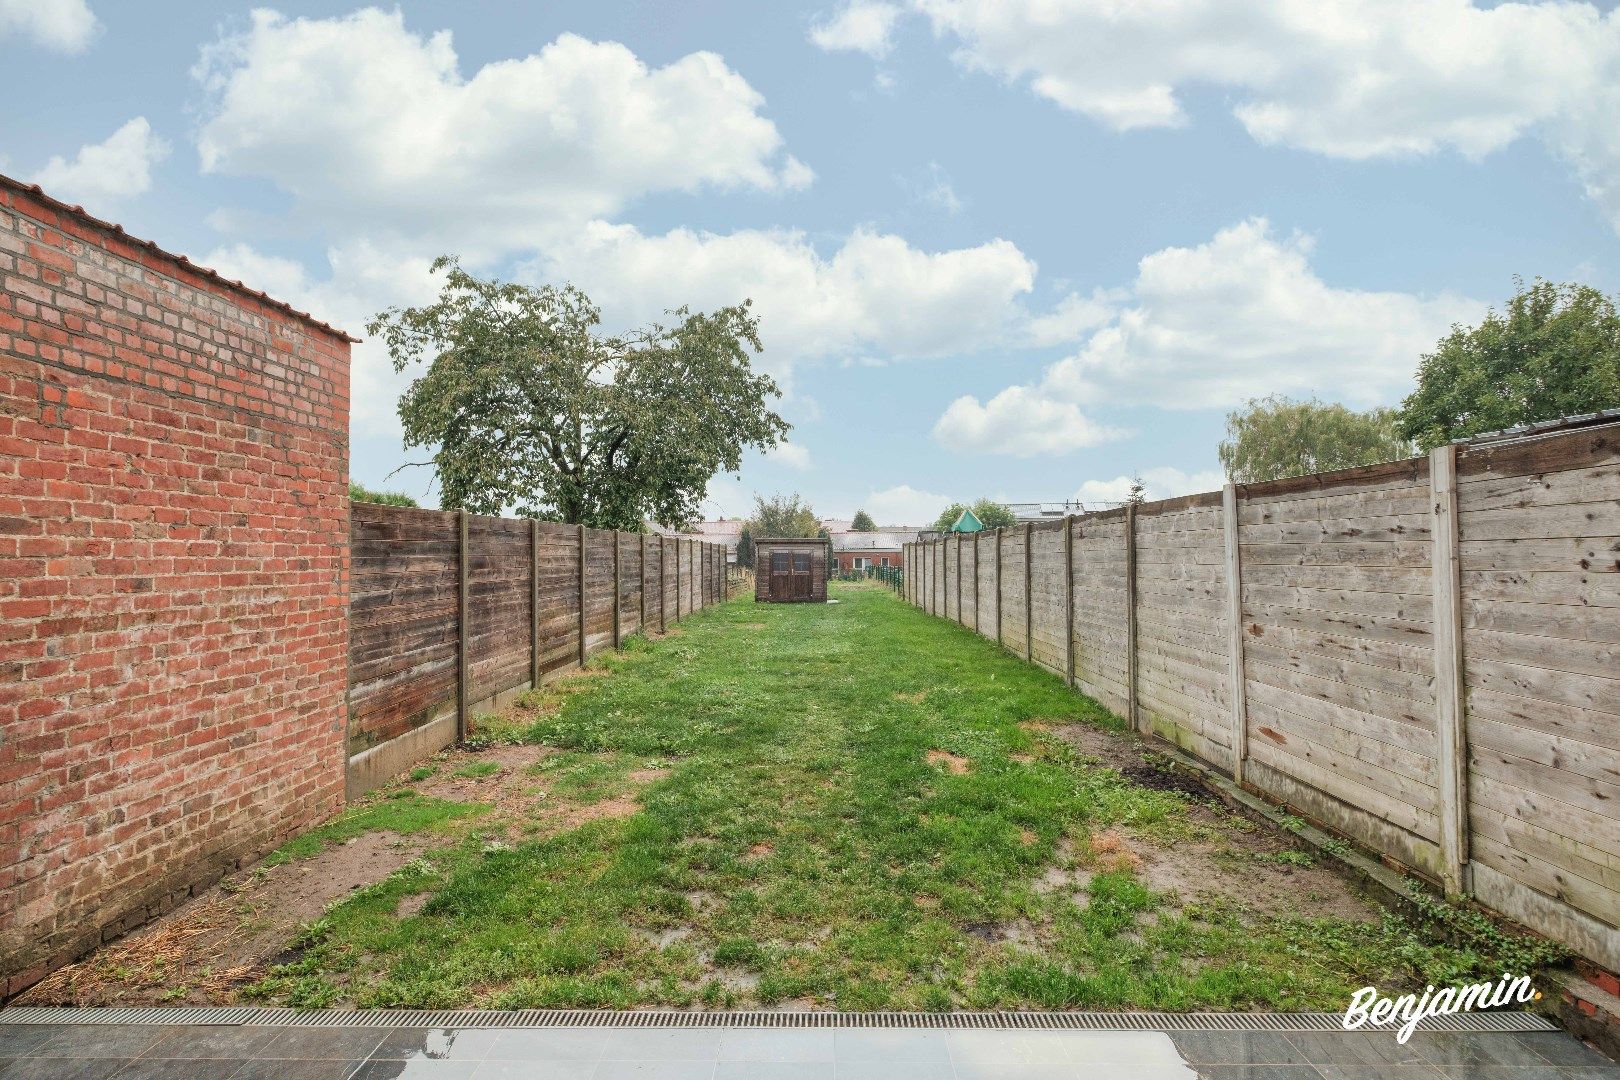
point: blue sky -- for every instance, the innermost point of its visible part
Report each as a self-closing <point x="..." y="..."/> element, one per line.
<point x="1022" y="250"/>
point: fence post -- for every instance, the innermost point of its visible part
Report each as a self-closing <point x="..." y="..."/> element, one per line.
<point x="1029" y="592"/>
<point x="959" y="620"/>
<point x="463" y="682"/>
<point x="976" y="581"/>
<point x="1131" y="712"/>
<point x="1452" y="756"/>
<point x="534" y="603"/>
<point x="582" y="593"/>
<point x="641" y="585"/>
<point x="998" y="585"/>
<point x="1235" y="668"/>
<point x="618" y="634"/>
<point x="663" y="588"/>
<point x="1068" y="599"/>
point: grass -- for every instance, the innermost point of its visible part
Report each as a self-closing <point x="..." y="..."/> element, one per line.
<point x="400" y="810"/>
<point x="851" y="812"/>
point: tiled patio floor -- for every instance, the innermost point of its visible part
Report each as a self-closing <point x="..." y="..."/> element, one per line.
<point x="302" y="1053"/>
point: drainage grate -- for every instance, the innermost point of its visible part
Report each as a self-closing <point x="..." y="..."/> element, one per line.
<point x="1501" y="1021"/>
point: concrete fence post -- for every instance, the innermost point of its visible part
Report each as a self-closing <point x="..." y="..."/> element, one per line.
<point x="960" y="619"/>
<point x="1000" y="597"/>
<point x="1449" y="691"/>
<point x="1235" y="667"/>
<point x="618" y="628"/>
<point x="579" y="531"/>
<point x="1029" y="591"/>
<point x="976" y="582"/>
<point x="1068" y="599"/>
<point x="1132" y="714"/>
<point x="663" y="580"/>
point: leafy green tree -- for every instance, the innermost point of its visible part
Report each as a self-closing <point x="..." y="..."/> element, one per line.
<point x="1276" y="436"/>
<point x="1554" y="352"/>
<point x="531" y="408"/>
<point x="745" y="548"/>
<point x="863" y="522"/>
<point x="992" y="515"/>
<point x="360" y="493"/>
<point x="783" y="515"/>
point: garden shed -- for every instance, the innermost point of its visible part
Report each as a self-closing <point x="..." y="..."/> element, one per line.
<point x="791" y="570"/>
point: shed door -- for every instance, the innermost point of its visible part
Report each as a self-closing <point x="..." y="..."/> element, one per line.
<point x="800" y="578"/>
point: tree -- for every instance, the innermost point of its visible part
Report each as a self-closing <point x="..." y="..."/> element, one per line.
<point x="361" y="493"/>
<point x="531" y="408"/>
<point x="1138" y="492"/>
<point x="1276" y="436"/>
<point x="992" y="515"/>
<point x="1555" y="352"/>
<point x="783" y="515"/>
<point x="745" y="548"/>
<point x="863" y="522"/>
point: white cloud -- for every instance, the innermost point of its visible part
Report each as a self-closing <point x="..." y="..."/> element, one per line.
<point x="859" y="26"/>
<point x="875" y="295"/>
<point x="1165" y="482"/>
<point x="904" y="505"/>
<point x="792" y="455"/>
<point x="1245" y="315"/>
<point x="106" y="172"/>
<point x="1348" y="78"/>
<point x="60" y="25"/>
<point x="1072" y="317"/>
<point x="935" y="190"/>
<point x="1020" y="422"/>
<point x="370" y="125"/>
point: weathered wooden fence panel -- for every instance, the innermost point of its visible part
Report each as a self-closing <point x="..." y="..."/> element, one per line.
<point x="520" y="584"/>
<point x="1423" y="655"/>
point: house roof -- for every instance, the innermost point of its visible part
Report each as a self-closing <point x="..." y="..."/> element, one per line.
<point x="873" y="541"/>
<point x="84" y="219"/>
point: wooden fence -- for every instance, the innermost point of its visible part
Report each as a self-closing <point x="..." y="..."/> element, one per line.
<point x="1423" y="656"/>
<point x="452" y="613"/>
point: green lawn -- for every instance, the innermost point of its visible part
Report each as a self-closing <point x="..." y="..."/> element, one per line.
<point x="838" y="805"/>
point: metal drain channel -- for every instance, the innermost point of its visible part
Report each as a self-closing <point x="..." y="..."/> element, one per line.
<point x="1499" y="1021"/>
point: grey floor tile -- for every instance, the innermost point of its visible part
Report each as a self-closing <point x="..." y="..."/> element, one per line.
<point x="1353" y="1048"/>
<point x="1379" y="1072"/>
<point x="1237" y="1048"/>
<point x="1259" y="1072"/>
<point x="20" y="1040"/>
<point x="775" y="1070"/>
<point x="436" y="1044"/>
<point x="1004" y="1048"/>
<point x="1562" y="1048"/>
<point x="491" y="1069"/>
<point x="34" y="1068"/>
<point x="894" y="1070"/>
<point x="550" y="1044"/>
<point x="1031" y="1070"/>
<point x="156" y="1068"/>
<point x="659" y="1044"/>
<point x="212" y="1042"/>
<point x="1500" y="1072"/>
<point x="774" y="1044"/>
<point x="654" y="1070"/>
<point x="321" y="1044"/>
<point x="293" y="1069"/>
<point x="1459" y="1049"/>
<point x="853" y="1045"/>
<point x="420" y="1069"/>
<point x="100" y="1041"/>
<point x="1114" y="1047"/>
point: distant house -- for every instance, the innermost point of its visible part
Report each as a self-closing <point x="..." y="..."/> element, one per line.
<point x="859" y="550"/>
<point x="725" y="531"/>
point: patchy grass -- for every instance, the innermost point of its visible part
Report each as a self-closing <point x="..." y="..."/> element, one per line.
<point x="851" y="806"/>
<point x="399" y="811"/>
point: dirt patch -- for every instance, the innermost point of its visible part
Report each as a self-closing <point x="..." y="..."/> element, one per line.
<point x="1220" y="856"/>
<point x="955" y="764"/>
<point x="915" y="698"/>
<point x="204" y="951"/>
<point x="606" y="810"/>
<point x="759" y="851"/>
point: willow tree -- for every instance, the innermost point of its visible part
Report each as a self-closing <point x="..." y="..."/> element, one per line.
<point x="530" y="408"/>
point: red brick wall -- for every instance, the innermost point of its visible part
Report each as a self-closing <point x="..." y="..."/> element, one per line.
<point x="846" y="559"/>
<point x="173" y="579"/>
